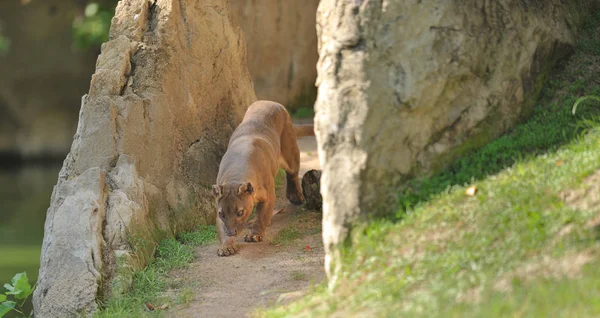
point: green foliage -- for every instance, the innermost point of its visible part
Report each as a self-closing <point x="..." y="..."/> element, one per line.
<point x="582" y="99"/>
<point x="92" y="29"/>
<point x="18" y="290"/>
<point x="6" y="306"/>
<point x="20" y="287"/>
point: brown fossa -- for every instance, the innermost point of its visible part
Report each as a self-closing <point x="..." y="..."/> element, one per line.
<point x="263" y="142"/>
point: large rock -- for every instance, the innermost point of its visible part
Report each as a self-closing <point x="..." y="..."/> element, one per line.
<point x="170" y="86"/>
<point x="282" y="48"/>
<point x="42" y="78"/>
<point x="406" y="86"/>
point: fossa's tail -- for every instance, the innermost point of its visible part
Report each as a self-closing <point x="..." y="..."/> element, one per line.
<point x="304" y="130"/>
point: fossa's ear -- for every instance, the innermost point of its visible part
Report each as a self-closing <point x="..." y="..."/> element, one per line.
<point x="217" y="190"/>
<point x="246" y="188"/>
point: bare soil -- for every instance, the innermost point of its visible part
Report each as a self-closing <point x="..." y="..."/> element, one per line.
<point x="260" y="273"/>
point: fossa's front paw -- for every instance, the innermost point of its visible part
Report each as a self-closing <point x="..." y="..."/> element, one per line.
<point x="254" y="237"/>
<point x="227" y="249"/>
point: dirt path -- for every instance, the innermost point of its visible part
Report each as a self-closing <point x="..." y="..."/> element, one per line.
<point x="261" y="272"/>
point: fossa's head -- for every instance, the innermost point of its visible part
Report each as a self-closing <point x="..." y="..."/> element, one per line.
<point x="235" y="202"/>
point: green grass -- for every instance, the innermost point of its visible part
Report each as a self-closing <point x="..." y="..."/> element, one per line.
<point x="500" y="253"/>
<point x="150" y="284"/>
<point x="296" y="275"/>
<point x="186" y="295"/>
<point x="206" y="234"/>
<point x="286" y="235"/>
<point x="551" y="125"/>
<point x="576" y="298"/>
<point x="303" y="222"/>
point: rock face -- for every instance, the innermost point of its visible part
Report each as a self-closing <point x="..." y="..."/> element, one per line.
<point x="406" y="86"/>
<point x="282" y="48"/>
<point x="169" y="88"/>
<point x="41" y="78"/>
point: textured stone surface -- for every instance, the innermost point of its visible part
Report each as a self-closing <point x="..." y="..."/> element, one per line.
<point x="282" y="48"/>
<point x="169" y="88"/>
<point x="405" y="86"/>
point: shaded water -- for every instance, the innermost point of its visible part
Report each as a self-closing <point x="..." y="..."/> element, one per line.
<point x="24" y="198"/>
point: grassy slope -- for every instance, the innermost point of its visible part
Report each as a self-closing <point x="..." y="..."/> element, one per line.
<point x="516" y="248"/>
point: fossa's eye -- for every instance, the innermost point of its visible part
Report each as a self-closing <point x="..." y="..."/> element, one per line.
<point x="240" y="213"/>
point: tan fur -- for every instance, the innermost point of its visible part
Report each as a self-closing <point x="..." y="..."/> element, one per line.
<point x="304" y="130"/>
<point x="264" y="141"/>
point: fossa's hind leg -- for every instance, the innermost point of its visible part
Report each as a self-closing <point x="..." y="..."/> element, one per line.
<point x="290" y="162"/>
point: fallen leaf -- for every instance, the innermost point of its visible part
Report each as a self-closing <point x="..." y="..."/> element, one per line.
<point x="149" y="306"/>
<point x="307" y="248"/>
<point x="559" y="163"/>
<point x="471" y="191"/>
<point x="163" y="306"/>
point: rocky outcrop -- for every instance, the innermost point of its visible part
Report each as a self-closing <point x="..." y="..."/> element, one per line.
<point x="42" y="78"/>
<point x="169" y="88"/>
<point x="406" y="86"/>
<point x="282" y="48"/>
